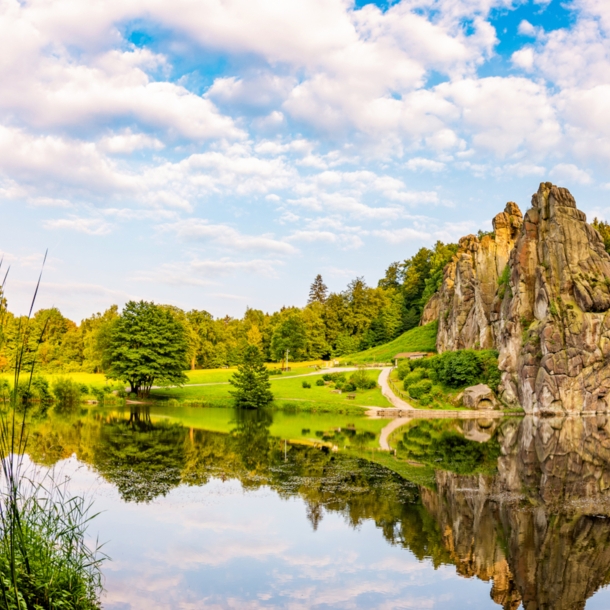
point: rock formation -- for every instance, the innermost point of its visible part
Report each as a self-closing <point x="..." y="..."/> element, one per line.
<point x="551" y="325"/>
<point x="470" y="284"/>
<point x="538" y="291"/>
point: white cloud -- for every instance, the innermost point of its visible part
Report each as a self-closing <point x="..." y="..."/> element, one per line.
<point x="127" y="142"/>
<point x="226" y="236"/>
<point x="422" y="164"/>
<point x="526" y="28"/>
<point x="397" y="236"/>
<point x="524" y="58"/>
<point x="91" y="226"/>
<point x="564" y="173"/>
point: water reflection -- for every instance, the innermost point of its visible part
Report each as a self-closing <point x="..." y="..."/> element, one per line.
<point x="521" y="503"/>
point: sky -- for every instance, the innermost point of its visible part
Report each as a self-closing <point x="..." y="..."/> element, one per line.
<point x="219" y="154"/>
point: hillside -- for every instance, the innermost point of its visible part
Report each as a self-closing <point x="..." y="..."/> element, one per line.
<point x="418" y="339"/>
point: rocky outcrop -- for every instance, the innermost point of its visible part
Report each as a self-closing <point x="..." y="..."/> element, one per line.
<point x="470" y="284"/>
<point x="538" y="291"/>
<point x="479" y="396"/>
<point x="551" y="324"/>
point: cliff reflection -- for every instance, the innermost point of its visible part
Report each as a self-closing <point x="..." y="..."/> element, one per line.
<point x="522" y="503"/>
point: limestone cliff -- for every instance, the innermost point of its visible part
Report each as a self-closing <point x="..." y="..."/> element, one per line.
<point x="470" y="284"/>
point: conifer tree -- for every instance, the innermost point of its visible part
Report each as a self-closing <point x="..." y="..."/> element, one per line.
<point x="251" y="381"/>
<point x="318" y="291"/>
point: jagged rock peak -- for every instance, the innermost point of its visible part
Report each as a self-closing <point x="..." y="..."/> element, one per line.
<point x="551" y="325"/>
<point x="470" y="283"/>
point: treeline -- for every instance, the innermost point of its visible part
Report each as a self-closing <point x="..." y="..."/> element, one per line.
<point x="330" y="325"/>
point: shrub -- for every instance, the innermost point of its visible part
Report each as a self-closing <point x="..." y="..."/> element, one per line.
<point x="349" y="387"/>
<point x="41" y="389"/>
<point x="413" y="377"/>
<point x="306" y="384"/>
<point x="67" y="393"/>
<point x="327" y="377"/>
<point x="337" y="377"/>
<point x="320" y="382"/>
<point x="84" y="388"/>
<point x="99" y="394"/>
<point x="362" y="381"/>
<point x="425" y="400"/>
<point x="404" y="368"/>
<point x="417" y="390"/>
<point x="465" y="367"/>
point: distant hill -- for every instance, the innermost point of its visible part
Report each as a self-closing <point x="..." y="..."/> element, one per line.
<point x="418" y="339"/>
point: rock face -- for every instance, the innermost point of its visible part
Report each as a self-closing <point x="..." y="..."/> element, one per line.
<point x="551" y="324"/>
<point x="431" y="310"/>
<point x="470" y="284"/>
<point x="479" y="396"/>
<point x="538" y="291"/>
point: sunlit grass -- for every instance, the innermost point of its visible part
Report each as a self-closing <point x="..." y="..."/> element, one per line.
<point x="285" y="390"/>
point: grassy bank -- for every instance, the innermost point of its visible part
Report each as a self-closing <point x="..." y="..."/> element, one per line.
<point x="418" y="339"/>
<point x="288" y="392"/>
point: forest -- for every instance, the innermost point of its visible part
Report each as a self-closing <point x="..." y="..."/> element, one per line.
<point x="329" y="325"/>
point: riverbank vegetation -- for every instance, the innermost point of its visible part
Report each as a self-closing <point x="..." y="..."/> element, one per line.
<point x="45" y="562"/>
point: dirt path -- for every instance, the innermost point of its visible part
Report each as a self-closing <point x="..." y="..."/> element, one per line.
<point x="386" y="390"/>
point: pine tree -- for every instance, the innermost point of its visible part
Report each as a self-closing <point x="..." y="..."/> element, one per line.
<point x="318" y="291"/>
<point x="251" y="381"/>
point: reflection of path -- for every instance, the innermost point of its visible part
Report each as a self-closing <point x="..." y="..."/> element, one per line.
<point x="385" y="432"/>
<point x="386" y="390"/>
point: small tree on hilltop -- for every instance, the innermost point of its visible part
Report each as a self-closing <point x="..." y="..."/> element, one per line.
<point x="251" y="381"/>
<point x="147" y="345"/>
<point x="318" y="291"/>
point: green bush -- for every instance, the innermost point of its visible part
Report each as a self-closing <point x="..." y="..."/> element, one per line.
<point x="83" y="388"/>
<point x="327" y="377"/>
<point x="404" y="368"/>
<point x="306" y="384"/>
<point x="67" y="393"/>
<point x="320" y="382"/>
<point x="417" y="390"/>
<point x="461" y="368"/>
<point x="362" y="381"/>
<point x="425" y="400"/>
<point x="413" y="377"/>
<point x="349" y="387"/>
<point x="40" y="386"/>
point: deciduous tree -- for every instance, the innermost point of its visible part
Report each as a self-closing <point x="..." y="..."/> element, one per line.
<point x="147" y="346"/>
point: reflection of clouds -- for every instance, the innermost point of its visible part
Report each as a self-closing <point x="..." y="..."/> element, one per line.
<point x="187" y="558"/>
<point x="221" y="546"/>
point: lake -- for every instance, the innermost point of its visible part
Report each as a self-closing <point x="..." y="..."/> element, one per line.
<point x="216" y="508"/>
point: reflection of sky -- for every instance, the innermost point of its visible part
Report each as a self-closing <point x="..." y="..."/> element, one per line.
<point x="217" y="546"/>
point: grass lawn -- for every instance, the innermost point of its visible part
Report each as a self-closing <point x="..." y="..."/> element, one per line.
<point x="287" y="392"/>
<point x="418" y="339"/>
<point x="198" y="376"/>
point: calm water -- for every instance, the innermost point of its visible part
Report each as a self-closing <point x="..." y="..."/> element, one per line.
<point x="211" y="508"/>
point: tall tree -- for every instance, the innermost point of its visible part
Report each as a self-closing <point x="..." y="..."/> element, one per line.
<point x="147" y="345"/>
<point x="318" y="291"/>
<point x="290" y="334"/>
<point x="251" y="381"/>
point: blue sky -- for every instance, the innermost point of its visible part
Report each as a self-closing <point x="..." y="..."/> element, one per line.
<point x="219" y="154"/>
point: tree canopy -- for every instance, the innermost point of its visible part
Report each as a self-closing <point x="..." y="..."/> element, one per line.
<point x="147" y="345"/>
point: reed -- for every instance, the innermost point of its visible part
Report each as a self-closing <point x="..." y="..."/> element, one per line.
<point x="45" y="563"/>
